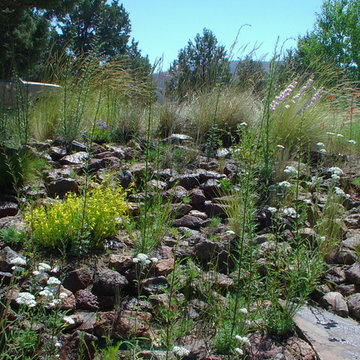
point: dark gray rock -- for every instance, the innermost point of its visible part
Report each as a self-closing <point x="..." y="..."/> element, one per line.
<point x="176" y="194"/>
<point x="78" y="158"/>
<point x="207" y="250"/>
<point x="109" y="282"/>
<point x="154" y="285"/>
<point x="189" y="221"/>
<point x="336" y="275"/>
<point x="211" y="188"/>
<point x="7" y="259"/>
<point x="61" y="187"/>
<point x="197" y="197"/>
<point x="8" y="208"/>
<point x="353" y="273"/>
<point x="214" y="209"/>
<point x="353" y="302"/>
<point x="331" y="336"/>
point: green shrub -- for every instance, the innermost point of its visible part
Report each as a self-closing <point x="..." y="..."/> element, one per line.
<point x="79" y="222"/>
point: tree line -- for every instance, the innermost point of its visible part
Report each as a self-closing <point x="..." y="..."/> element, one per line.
<point x="30" y="29"/>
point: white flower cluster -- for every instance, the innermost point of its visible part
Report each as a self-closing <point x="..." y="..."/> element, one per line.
<point x="284" y="184"/>
<point x="25" y="298"/>
<point x="243" y="340"/>
<point x="290" y="170"/>
<point x="336" y="171"/>
<point x="290" y="211"/>
<point x="50" y="292"/>
<point x="180" y="351"/>
<point x="144" y="259"/>
<point x="340" y="192"/>
<point x="273" y="210"/>
<point x="18" y="262"/>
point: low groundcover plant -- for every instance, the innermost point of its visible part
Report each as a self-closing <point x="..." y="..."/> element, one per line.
<point x="79" y="221"/>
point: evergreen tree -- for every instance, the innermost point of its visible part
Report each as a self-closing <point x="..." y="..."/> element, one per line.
<point x="201" y="65"/>
<point x="23" y="37"/>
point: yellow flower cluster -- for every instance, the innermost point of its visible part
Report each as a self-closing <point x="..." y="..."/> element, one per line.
<point x="86" y="219"/>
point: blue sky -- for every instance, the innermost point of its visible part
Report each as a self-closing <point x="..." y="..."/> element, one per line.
<point x="163" y="27"/>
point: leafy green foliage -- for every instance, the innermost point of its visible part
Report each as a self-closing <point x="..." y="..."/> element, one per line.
<point x="335" y="38"/>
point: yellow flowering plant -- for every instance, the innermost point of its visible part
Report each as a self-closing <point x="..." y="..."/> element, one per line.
<point x="79" y="222"/>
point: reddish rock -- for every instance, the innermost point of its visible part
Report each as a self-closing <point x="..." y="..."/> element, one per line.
<point x="120" y="263"/>
<point x="264" y="347"/>
<point x="86" y="300"/>
<point x="69" y="302"/>
<point x="164" y="267"/>
<point x="71" y="345"/>
<point x="123" y="324"/>
<point x="78" y="279"/>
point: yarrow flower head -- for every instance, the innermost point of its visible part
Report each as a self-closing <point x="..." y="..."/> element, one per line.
<point x="290" y="170"/>
<point x="273" y="210"/>
<point x="290" y="211"/>
<point x="25" y="298"/>
<point x="353" y="142"/>
<point x="340" y="192"/>
<point x="335" y="170"/>
<point x="53" y="281"/>
<point x="180" y="351"/>
<point x="143" y="259"/>
<point x="243" y="340"/>
<point x="322" y="151"/>
<point x="284" y="184"/>
<point x="18" y="261"/>
<point x="320" y="144"/>
<point x="44" y="267"/>
<point x="239" y="351"/>
<point x="281" y="147"/>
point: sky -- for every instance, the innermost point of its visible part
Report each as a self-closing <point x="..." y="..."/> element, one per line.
<point x="163" y="27"/>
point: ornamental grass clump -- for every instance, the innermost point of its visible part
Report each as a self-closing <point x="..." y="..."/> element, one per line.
<point x="79" y="222"/>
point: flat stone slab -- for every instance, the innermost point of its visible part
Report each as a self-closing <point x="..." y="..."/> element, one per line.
<point x="331" y="336"/>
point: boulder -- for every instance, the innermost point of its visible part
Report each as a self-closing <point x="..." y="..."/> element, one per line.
<point x="335" y="302"/>
<point x="77" y="279"/>
<point x="109" y="282"/>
